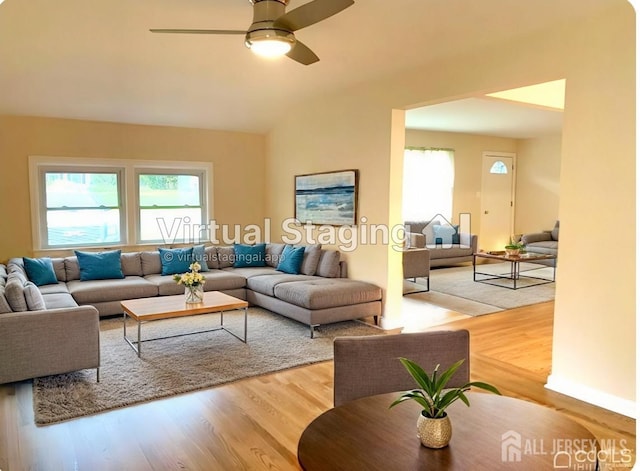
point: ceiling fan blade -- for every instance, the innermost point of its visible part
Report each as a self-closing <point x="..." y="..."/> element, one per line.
<point x="198" y="31"/>
<point x="311" y="13"/>
<point x="301" y="53"/>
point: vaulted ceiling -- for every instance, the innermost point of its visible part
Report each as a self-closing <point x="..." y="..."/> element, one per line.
<point x="97" y="60"/>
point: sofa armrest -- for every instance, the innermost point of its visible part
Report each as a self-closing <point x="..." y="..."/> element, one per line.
<point x="469" y="240"/>
<point x="535" y="237"/>
<point x="417" y="240"/>
<point x="54" y="341"/>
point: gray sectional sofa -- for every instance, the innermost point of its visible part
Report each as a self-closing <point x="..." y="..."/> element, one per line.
<point x="450" y="248"/>
<point x="319" y="294"/>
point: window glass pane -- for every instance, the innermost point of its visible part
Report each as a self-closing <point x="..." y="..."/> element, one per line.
<point x="170" y="225"/>
<point x="81" y="190"/>
<point x="428" y="180"/>
<point x="499" y="168"/>
<point x="83" y="227"/>
<point x="169" y="190"/>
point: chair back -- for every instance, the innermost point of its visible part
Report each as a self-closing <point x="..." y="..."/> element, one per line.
<point x="369" y="365"/>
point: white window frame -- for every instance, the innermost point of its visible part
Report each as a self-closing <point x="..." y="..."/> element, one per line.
<point x="38" y="165"/>
<point x="201" y="174"/>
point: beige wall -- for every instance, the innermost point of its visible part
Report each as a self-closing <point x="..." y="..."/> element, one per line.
<point x="537" y="184"/>
<point x="468" y="165"/>
<point x="238" y="164"/>
<point x="594" y="344"/>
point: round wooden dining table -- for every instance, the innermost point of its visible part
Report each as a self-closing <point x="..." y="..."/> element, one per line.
<point x="495" y="433"/>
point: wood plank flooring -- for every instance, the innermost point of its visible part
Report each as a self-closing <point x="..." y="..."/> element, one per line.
<point x="255" y="423"/>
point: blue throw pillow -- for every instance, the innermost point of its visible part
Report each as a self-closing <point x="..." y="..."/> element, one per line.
<point x="291" y="260"/>
<point x="250" y="255"/>
<point x="175" y="261"/>
<point x="99" y="265"/>
<point x="444" y="234"/>
<point x="201" y="257"/>
<point x="40" y="271"/>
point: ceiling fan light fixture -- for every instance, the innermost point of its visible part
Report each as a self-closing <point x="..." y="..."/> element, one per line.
<point x="270" y="43"/>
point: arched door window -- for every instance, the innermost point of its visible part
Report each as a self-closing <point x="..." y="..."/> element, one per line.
<point x="499" y="167"/>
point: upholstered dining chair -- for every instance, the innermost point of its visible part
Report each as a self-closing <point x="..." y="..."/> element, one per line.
<point x="369" y="365"/>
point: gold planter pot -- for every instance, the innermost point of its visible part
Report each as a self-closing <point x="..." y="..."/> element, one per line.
<point x="434" y="433"/>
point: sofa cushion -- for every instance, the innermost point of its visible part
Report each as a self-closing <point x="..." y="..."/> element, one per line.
<point x="310" y="259"/>
<point x="211" y="256"/>
<point x="59" y="287"/>
<point x="452" y="251"/>
<point x="291" y="260"/>
<point x="249" y="255"/>
<point x="215" y="280"/>
<point x="200" y="256"/>
<point x="40" y="270"/>
<point x="273" y="253"/>
<point x="443" y="234"/>
<point x="59" y="300"/>
<point x="131" y="263"/>
<point x="226" y="256"/>
<point x="4" y="303"/>
<point x="548" y="247"/>
<point x="95" y="291"/>
<point x="59" y="268"/>
<point x="150" y="263"/>
<point x="428" y="232"/>
<point x="33" y="297"/>
<point x="267" y="284"/>
<point x="329" y="264"/>
<point x="252" y="271"/>
<point x="71" y="268"/>
<point x="323" y="293"/>
<point x="99" y="265"/>
<point x="14" y="292"/>
<point x="175" y="261"/>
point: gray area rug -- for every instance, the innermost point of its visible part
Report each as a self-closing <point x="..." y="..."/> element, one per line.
<point x="186" y="363"/>
<point x="454" y="289"/>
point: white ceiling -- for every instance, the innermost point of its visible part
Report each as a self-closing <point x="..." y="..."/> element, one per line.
<point x="486" y="116"/>
<point x="96" y="59"/>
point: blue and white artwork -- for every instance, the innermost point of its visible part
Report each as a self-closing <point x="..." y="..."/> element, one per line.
<point x="327" y="198"/>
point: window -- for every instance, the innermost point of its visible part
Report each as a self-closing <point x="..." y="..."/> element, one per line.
<point x="427" y="188"/>
<point x="82" y="208"/>
<point x="170" y="206"/>
<point x="499" y="168"/>
<point x="118" y="202"/>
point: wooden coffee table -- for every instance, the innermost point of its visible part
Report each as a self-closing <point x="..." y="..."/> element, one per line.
<point x="168" y="307"/>
<point x="515" y="275"/>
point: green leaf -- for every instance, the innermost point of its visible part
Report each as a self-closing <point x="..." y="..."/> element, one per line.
<point x="418" y="374"/>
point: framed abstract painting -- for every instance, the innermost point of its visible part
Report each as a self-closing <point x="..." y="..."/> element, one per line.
<point x="327" y="198"/>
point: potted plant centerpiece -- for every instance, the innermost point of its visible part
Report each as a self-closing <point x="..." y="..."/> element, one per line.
<point x="193" y="282"/>
<point x="434" y="426"/>
<point x="514" y="247"/>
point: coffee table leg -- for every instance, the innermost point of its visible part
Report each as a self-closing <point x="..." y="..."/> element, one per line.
<point x="139" y="339"/>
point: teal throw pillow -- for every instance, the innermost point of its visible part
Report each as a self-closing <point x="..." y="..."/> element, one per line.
<point x="175" y="261"/>
<point x="250" y="255"/>
<point x="99" y="265"/>
<point x="444" y="234"/>
<point x="291" y="260"/>
<point x="201" y="257"/>
<point x="40" y="271"/>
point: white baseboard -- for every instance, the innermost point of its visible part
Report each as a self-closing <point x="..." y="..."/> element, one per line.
<point x="592" y="396"/>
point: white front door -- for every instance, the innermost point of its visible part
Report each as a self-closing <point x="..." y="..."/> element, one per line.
<point x="497" y="200"/>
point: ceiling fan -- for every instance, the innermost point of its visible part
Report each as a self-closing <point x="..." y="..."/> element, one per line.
<point x="271" y="33"/>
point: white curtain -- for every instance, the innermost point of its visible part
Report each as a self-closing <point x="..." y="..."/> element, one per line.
<point x="427" y="184"/>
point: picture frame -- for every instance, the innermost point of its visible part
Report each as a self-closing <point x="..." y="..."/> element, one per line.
<point x="327" y="198"/>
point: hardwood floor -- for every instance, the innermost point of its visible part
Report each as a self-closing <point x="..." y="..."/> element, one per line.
<point x="256" y="423"/>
